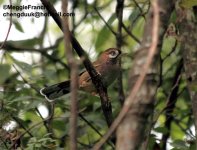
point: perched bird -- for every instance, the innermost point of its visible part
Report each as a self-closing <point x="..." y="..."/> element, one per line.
<point x="106" y="65"/>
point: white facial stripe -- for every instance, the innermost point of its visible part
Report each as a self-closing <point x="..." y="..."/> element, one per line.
<point x="113" y="54"/>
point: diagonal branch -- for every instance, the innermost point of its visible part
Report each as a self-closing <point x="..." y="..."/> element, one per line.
<point x="96" y="78"/>
<point x="141" y="11"/>
<point x="108" y="26"/>
<point x="9" y="28"/>
<point x="130" y="33"/>
<point x="131" y="99"/>
<point x="171" y="103"/>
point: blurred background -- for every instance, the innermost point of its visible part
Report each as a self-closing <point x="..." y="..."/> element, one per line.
<point x="34" y="57"/>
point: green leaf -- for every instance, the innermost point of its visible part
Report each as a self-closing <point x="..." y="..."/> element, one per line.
<point x="139" y="28"/>
<point x="134" y="14"/>
<point x="161" y="130"/>
<point x="28" y="43"/>
<point x="1" y="95"/>
<point x="4" y="72"/>
<point x="177" y="132"/>
<point x="24" y="66"/>
<point x="59" y="125"/>
<point x="152" y="141"/>
<point x="32" y="105"/>
<point x="168" y="44"/>
<point x="31" y="116"/>
<point x="188" y="3"/>
<point x="104" y="34"/>
<point x="19" y="99"/>
<point x="101" y="39"/>
<point x="18" y="26"/>
<point x="179" y="144"/>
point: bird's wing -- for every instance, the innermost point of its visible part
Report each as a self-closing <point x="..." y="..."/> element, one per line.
<point x="95" y="64"/>
<point x="85" y="75"/>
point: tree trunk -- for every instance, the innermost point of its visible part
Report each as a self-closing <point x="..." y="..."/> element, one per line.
<point x="188" y="33"/>
<point x="131" y="131"/>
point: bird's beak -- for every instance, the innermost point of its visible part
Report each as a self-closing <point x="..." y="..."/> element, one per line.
<point x="123" y="54"/>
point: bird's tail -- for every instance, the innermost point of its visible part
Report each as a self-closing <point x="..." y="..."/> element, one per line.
<point x="54" y="91"/>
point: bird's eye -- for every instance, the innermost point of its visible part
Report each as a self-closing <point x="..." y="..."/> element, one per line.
<point x="113" y="54"/>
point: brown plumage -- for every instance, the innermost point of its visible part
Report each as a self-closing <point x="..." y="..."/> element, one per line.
<point x="106" y="65"/>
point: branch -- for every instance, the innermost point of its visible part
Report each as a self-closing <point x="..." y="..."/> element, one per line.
<point x="119" y="41"/>
<point x="74" y="78"/>
<point x="108" y="26"/>
<point x="131" y="99"/>
<point x="9" y="28"/>
<point x="171" y="103"/>
<point x="172" y="51"/>
<point x="93" y="128"/>
<point x="9" y="46"/>
<point x="130" y="27"/>
<point x="169" y="106"/>
<point x="141" y="11"/>
<point x="96" y="78"/>
<point x="4" y="142"/>
<point x="36" y="109"/>
<point x="130" y="33"/>
<point x="18" y="121"/>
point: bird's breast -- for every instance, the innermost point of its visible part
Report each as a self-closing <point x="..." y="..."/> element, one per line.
<point x="108" y="72"/>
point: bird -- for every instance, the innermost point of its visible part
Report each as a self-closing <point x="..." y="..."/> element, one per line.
<point x="107" y="65"/>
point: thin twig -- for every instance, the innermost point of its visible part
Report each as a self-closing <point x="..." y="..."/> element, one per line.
<point x="9" y="28"/>
<point x="37" y="90"/>
<point x="74" y="78"/>
<point x="172" y="51"/>
<point x="138" y="16"/>
<point x="141" y="11"/>
<point x="82" y="18"/>
<point x="170" y="101"/>
<point x="132" y="96"/>
<point x="130" y="33"/>
<point x="4" y="142"/>
<point x="94" y="128"/>
<point x="12" y="48"/>
<point x="8" y="45"/>
<point x="108" y="26"/>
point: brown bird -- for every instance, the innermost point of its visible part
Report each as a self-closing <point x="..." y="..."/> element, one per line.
<point x="106" y="65"/>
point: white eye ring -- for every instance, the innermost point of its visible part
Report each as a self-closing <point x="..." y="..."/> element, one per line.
<point x="113" y="54"/>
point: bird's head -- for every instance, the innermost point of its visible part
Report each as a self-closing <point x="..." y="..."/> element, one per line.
<point x="110" y="55"/>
